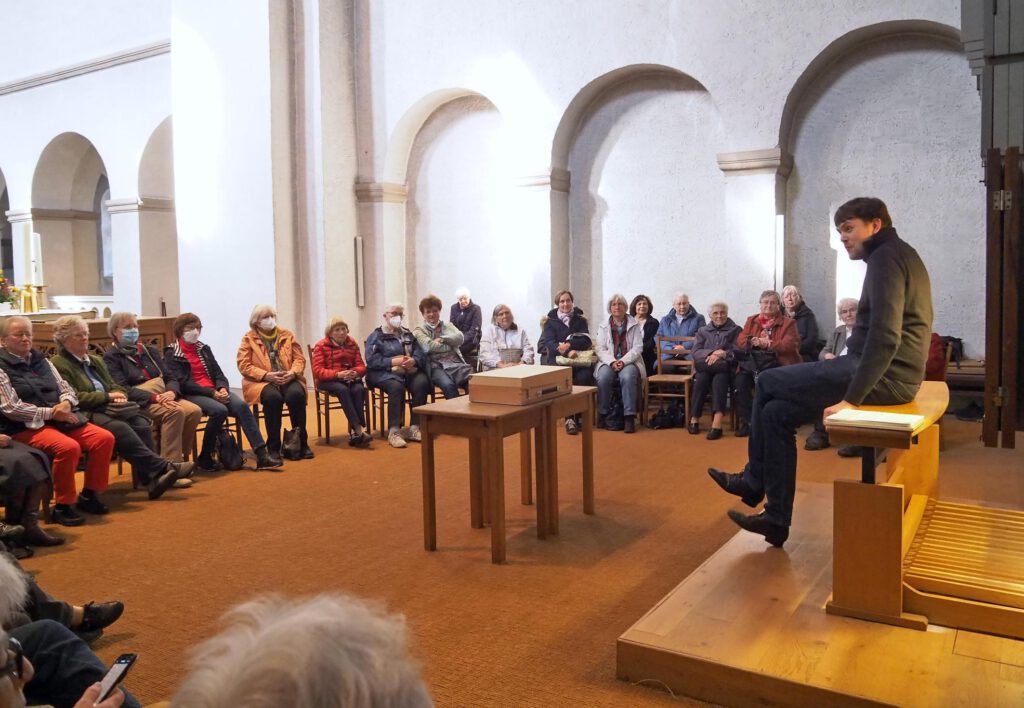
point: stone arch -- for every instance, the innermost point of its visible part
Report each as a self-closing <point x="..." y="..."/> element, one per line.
<point x="389" y="255"/>
<point x="889" y="110"/>
<point x="6" y="248"/>
<point x="580" y="230"/>
<point x="842" y="47"/>
<point x="64" y="214"/>
<point x="157" y="225"/>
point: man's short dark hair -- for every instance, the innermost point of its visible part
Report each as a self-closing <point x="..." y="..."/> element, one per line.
<point x="865" y="209"/>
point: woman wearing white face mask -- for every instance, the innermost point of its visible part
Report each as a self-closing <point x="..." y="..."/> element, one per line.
<point x="203" y="382"/>
<point x="140" y="369"/>
<point x="273" y="373"/>
<point x="396" y="364"/>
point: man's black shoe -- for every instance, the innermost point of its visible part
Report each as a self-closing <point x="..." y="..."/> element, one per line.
<point x="307" y="453"/>
<point x="743" y="429"/>
<point x="266" y="461"/>
<point x="818" y="440"/>
<point x="64" y="515"/>
<point x="734" y="484"/>
<point x="37" y="537"/>
<point x="714" y="434"/>
<point x="773" y="533"/>
<point x="848" y="451"/>
<point x="91" y="505"/>
<point x="693" y="428"/>
<point x="160" y="483"/>
<point x="100" y="615"/>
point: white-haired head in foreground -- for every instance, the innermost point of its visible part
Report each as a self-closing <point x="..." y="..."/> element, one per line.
<point x="330" y="651"/>
<point x="13" y="588"/>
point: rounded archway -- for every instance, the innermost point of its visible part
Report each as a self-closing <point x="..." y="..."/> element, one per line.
<point x="637" y="188"/>
<point x="6" y="246"/>
<point x="69" y="193"/>
<point x="889" y="111"/>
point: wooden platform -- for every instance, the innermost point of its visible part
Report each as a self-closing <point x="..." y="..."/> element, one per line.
<point x="749" y="628"/>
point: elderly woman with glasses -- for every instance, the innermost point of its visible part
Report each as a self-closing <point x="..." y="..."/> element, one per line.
<point x="768" y="339"/>
<point x="338" y="370"/>
<point x="273" y="368"/>
<point x="468" y="319"/>
<point x="139" y="368"/>
<point x="107" y="405"/>
<point x="504" y="343"/>
<point x="806" y="325"/>
<point x="203" y="382"/>
<point x="395" y="364"/>
<point x="620" y="364"/>
<point x="711" y="347"/>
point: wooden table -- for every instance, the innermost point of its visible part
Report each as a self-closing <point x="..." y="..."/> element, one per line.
<point x="486" y="425"/>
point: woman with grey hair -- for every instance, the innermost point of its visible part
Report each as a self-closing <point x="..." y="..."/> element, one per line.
<point x="139" y="369"/>
<point x="468" y="319"/>
<point x="711" y="347"/>
<point x="273" y="371"/>
<point x="106" y="404"/>
<point x="806" y="325"/>
<point x="620" y="364"/>
<point x="330" y="651"/>
<point x="504" y="343"/>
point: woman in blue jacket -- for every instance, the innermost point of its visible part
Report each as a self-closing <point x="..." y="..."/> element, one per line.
<point x="396" y="364"/>
<point x="557" y="340"/>
<point x="681" y="321"/>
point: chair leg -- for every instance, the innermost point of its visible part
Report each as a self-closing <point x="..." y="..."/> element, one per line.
<point x="327" y="420"/>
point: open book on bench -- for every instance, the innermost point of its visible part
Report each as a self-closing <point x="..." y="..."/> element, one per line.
<point x="854" y="418"/>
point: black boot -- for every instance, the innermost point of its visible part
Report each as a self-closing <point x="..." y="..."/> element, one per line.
<point x="266" y="461"/>
<point x="34" y="533"/>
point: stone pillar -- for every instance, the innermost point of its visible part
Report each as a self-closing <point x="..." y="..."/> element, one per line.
<point x="560" y="241"/>
<point x="755" y="203"/>
<point x="21" y="232"/>
<point x="126" y="253"/>
<point x="537" y="202"/>
<point x="382" y="228"/>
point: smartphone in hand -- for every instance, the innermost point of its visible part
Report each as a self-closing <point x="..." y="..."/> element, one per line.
<point x="115" y="675"/>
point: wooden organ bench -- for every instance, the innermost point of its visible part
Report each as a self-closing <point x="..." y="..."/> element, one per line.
<point x="902" y="557"/>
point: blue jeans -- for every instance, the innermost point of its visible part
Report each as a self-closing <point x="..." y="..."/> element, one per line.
<point x="351" y="395"/>
<point x="785" y="399"/>
<point x="218" y="412"/>
<point x="64" y="665"/>
<point x="628" y="380"/>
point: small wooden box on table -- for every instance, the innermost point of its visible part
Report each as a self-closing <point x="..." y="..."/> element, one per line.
<point x="486" y="425"/>
<point x="520" y="385"/>
<point x="902" y="557"/>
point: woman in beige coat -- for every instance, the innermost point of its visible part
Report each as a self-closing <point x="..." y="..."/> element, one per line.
<point x="272" y="368"/>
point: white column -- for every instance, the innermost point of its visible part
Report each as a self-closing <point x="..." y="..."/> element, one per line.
<point x="531" y="232"/>
<point x="21" y="235"/>
<point x="126" y="253"/>
<point x="382" y="227"/>
<point x="755" y="196"/>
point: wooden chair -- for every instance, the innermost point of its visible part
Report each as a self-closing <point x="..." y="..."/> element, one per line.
<point x="230" y="424"/>
<point x="673" y="379"/>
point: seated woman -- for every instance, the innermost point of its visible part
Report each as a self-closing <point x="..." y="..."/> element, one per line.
<point x="713" y="368"/>
<point x="504" y="343"/>
<point x="106" y="404"/>
<point x="441" y="341"/>
<point x="37" y="407"/>
<point x="24" y="483"/>
<point x="468" y="319"/>
<point x="642" y="309"/>
<point x="768" y="339"/>
<point x="620" y="363"/>
<point x="834" y="347"/>
<point x="682" y="320"/>
<point x="395" y="364"/>
<point x="203" y="382"/>
<point x="338" y="370"/>
<point x="139" y="368"/>
<point x="273" y="373"/>
<point x="562" y="335"/>
<point x="806" y="325"/>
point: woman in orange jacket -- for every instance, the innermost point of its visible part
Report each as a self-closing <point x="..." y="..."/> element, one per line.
<point x="768" y="339"/>
<point x="273" y="374"/>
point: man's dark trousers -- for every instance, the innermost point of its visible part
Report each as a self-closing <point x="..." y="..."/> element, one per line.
<point x="786" y="398"/>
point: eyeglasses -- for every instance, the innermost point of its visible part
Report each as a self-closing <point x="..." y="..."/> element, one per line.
<point x="15" y="666"/>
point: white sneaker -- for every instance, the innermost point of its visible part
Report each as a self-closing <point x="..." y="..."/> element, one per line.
<point x="183" y="483"/>
<point x="412" y="434"/>
<point x="395" y="439"/>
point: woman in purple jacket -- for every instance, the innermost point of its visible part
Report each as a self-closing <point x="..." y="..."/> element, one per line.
<point x="712" y="343"/>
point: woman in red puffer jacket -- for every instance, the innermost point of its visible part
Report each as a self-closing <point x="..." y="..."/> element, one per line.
<point x="338" y="369"/>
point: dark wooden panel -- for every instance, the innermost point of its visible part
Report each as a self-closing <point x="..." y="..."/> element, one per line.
<point x="1011" y="319"/>
<point x="993" y="290"/>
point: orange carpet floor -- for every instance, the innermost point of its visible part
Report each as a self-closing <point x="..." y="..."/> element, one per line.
<point x="539" y="631"/>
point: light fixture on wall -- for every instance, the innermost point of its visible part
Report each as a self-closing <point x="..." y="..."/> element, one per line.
<point x="780" y="250"/>
<point x="360" y="283"/>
